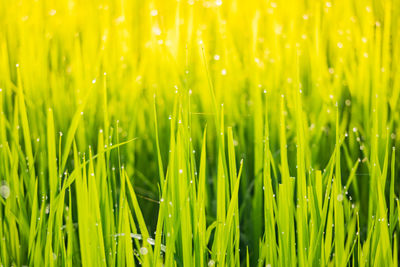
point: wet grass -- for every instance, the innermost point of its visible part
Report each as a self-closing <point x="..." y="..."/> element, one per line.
<point x="199" y="133"/>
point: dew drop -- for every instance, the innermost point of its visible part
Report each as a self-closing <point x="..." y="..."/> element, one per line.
<point x="154" y="12"/>
<point x="4" y="190"/>
<point x="143" y="251"/>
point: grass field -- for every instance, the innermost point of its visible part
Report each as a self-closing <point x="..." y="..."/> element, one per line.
<point x="199" y="133"/>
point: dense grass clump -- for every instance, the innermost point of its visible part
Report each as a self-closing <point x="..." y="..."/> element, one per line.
<point x="199" y="133"/>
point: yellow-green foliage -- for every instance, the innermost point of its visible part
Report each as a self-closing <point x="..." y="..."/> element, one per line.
<point x="195" y="133"/>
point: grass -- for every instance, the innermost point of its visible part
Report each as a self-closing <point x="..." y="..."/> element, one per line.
<point x="199" y="133"/>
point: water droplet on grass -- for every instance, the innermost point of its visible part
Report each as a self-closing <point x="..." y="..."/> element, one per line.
<point x="151" y="241"/>
<point x="154" y="12"/>
<point x="156" y="31"/>
<point x="4" y="189"/>
<point x="143" y="251"/>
